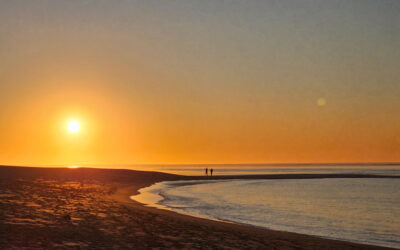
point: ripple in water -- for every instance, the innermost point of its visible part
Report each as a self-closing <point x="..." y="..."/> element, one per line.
<point x="358" y="210"/>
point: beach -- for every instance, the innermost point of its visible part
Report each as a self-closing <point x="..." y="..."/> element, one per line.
<point x="90" y="208"/>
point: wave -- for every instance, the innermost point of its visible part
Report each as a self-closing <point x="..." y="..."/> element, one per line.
<point x="358" y="210"/>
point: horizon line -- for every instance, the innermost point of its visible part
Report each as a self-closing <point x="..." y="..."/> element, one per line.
<point x="215" y="164"/>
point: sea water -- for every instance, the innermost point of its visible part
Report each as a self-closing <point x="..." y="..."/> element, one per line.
<point x="252" y="169"/>
<point x="358" y="210"/>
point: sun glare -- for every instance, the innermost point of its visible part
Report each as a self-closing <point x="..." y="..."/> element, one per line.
<point x="73" y="167"/>
<point x="74" y="126"/>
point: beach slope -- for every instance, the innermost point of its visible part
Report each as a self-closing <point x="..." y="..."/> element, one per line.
<point x="90" y="208"/>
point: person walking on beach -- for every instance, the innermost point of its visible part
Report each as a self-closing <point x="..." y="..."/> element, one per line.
<point x="211" y="171"/>
<point x="206" y="171"/>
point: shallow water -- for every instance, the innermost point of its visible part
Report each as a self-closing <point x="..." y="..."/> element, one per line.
<point x="252" y="169"/>
<point x="270" y="169"/>
<point x="359" y="210"/>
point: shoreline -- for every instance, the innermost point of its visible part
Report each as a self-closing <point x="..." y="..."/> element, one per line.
<point x="144" y="227"/>
<point x="155" y="203"/>
<point x="121" y="195"/>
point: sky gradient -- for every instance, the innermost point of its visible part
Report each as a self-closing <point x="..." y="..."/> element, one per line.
<point x="203" y="81"/>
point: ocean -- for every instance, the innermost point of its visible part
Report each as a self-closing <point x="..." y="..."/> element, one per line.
<point x="236" y="169"/>
<point x="358" y="210"/>
<point x="252" y="169"/>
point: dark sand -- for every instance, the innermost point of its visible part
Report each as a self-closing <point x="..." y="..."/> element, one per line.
<point x="90" y="208"/>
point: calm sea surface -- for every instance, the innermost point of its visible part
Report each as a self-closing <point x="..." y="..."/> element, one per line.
<point x="358" y="210"/>
<point x="251" y="169"/>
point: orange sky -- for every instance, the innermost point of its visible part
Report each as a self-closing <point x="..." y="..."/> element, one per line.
<point x="190" y="82"/>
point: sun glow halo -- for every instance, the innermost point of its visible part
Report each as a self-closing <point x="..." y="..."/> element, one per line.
<point x="74" y="126"/>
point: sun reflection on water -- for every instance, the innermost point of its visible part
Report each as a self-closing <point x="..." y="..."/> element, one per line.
<point x="73" y="166"/>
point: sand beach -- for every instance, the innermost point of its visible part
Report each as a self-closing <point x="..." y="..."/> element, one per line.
<point x="90" y="208"/>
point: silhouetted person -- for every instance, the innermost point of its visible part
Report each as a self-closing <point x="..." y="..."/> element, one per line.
<point x="211" y="171"/>
<point x="206" y="171"/>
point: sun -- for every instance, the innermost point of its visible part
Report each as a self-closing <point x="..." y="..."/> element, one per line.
<point x="74" y="126"/>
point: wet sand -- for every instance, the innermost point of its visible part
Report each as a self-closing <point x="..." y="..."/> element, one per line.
<point x="90" y="208"/>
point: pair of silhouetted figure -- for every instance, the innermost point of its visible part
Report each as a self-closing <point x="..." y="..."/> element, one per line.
<point x="211" y="171"/>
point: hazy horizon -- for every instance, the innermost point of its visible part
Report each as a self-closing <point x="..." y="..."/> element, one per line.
<point x="276" y="164"/>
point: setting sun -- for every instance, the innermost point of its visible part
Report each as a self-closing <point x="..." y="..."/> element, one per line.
<point x="74" y="126"/>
